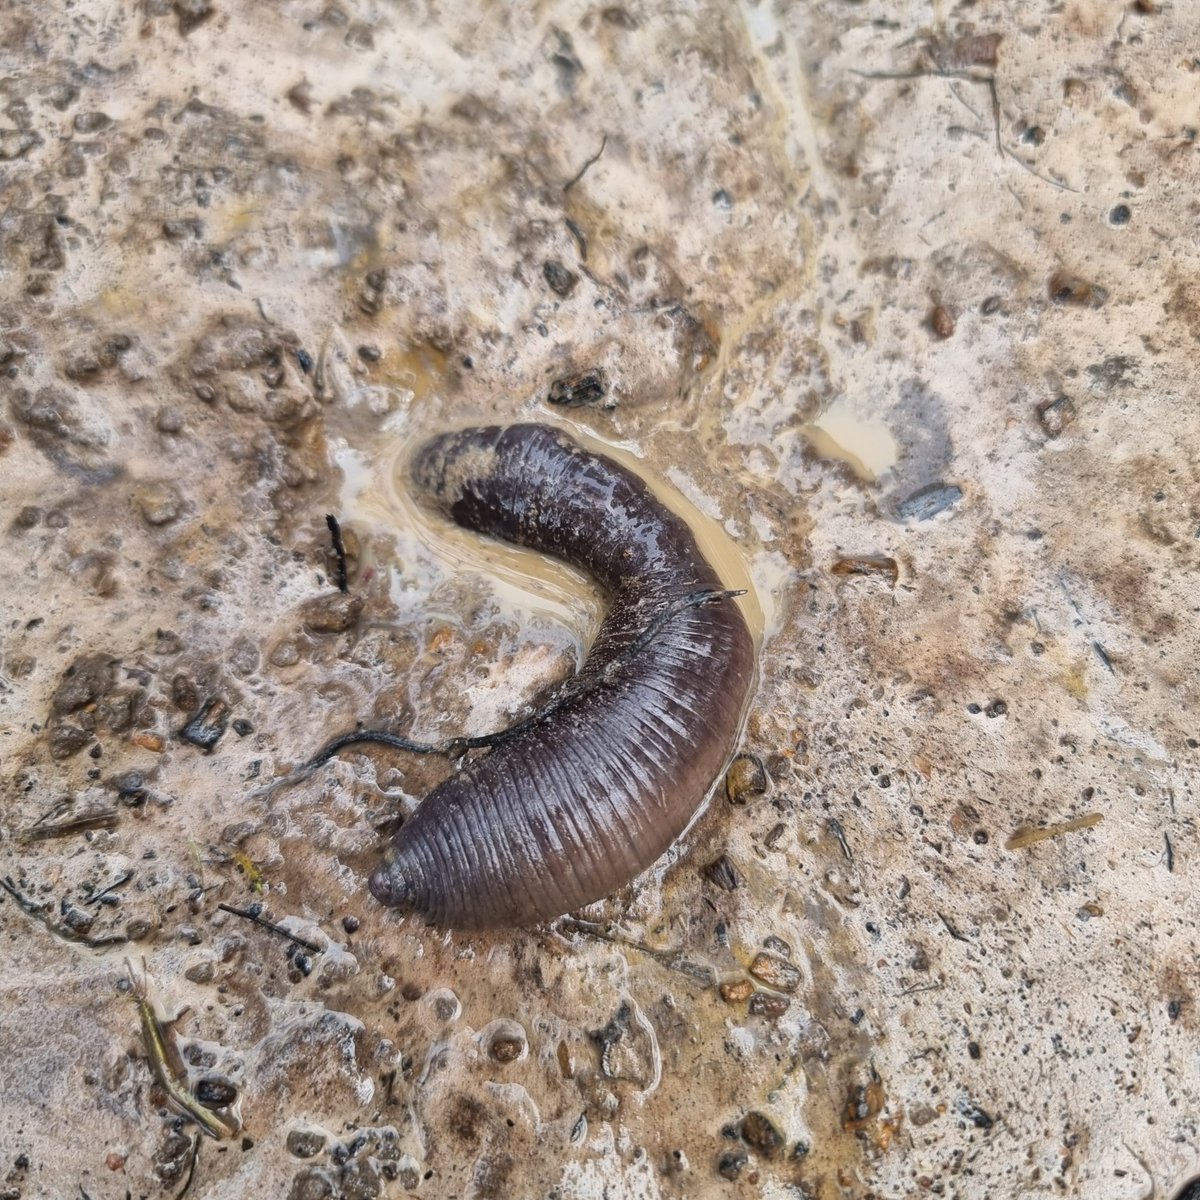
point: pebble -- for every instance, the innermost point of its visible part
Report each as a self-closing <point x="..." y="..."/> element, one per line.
<point x="331" y="613"/>
<point x="66" y="740"/>
<point x="83" y="683"/>
<point x="204" y="971"/>
<point x="760" y="1132"/>
<point x="941" y="321"/>
<point x="775" y="972"/>
<point x="763" y="1004"/>
<point x="736" y="991"/>
<point x="160" y="503"/>
<point x="215" y="1092"/>
<point x="731" y="1163"/>
<point x="561" y="280"/>
<point x="206" y="728"/>
<point x="306" y="1143"/>
<point x="745" y="779"/>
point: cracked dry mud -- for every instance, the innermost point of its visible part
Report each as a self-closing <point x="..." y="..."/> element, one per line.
<point x="901" y="297"/>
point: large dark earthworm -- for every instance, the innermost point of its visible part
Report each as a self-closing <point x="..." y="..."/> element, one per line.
<point x="569" y="806"/>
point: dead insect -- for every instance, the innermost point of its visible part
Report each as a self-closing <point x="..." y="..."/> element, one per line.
<point x="168" y="1067"/>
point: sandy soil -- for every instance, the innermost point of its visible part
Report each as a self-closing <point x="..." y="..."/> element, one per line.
<point x="902" y="296"/>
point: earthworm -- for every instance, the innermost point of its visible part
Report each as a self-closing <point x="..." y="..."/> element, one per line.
<point x="569" y="806"/>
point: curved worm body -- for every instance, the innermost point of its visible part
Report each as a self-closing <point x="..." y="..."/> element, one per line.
<point x="568" y="807"/>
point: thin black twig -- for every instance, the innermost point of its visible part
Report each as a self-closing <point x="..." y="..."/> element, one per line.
<point x="951" y="930"/>
<point x="245" y="914"/>
<point x="97" y="897"/>
<point x="673" y="960"/>
<point x="573" y="688"/>
<point x="989" y="81"/>
<point x="339" y="549"/>
<point x="586" y="166"/>
<point x="1170" y="852"/>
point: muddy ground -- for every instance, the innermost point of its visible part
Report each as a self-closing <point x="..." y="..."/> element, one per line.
<point x="902" y="296"/>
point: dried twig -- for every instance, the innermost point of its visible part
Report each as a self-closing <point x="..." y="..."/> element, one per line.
<point x="246" y="915"/>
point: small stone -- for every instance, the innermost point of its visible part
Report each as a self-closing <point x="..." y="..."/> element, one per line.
<point x="332" y="613"/>
<point x="722" y="873"/>
<point x="311" y="1184"/>
<point x="1065" y="288"/>
<point x="736" y="991"/>
<point x="506" y="1049"/>
<point x="305" y="1143"/>
<point x="731" y="1163"/>
<point x="130" y="787"/>
<point x="160" y="503"/>
<point x="286" y="654"/>
<point x="192" y="13"/>
<point x="206" y="728"/>
<point x="745" y="779"/>
<point x="148" y="741"/>
<point x="169" y="420"/>
<point x="1055" y="415"/>
<point x="66" y="740"/>
<point x="775" y="972"/>
<point x="91" y="122"/>
<point x="941" y="321"/>
<point x="350" y="924"/>
<point x="137" y="929"/>
<point x="580" y="389"/>
<point x="927" y="502"/>
<point x="213" y="1091"/>
<point x="27" y="518"/>
<point x="242" y="727"/>
<point x="561" y="280"/>
<point x="204" y="971"/>
<point x="760" y="1132"/>
<point x="763" y="1004"/>
<point x="76" y="920"/>
<point x="83" y="683"/>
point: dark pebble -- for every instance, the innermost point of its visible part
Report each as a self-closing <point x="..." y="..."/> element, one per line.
<point x="941" y="321"/>
<point x="350" y="924"/>
<point x="763" y="1004"/>
<point x="242" y="727"/>
<point x="206" y="728"/>
<point x="506" y="1049"/>
<point x="83" y="683"/>
<point x="562" y="281"/>
<point x="305" y="1143"/>
<point x="215" y="1092"/>
<point x="576" y="391"/>
<point x="760" y="1132"/>
<point x="305" y="360"/>
<point x="1120" y="215"/>
<point x="731" y="1163"/>
<point x="722" y="873"/>
<point x="66" y="740"/>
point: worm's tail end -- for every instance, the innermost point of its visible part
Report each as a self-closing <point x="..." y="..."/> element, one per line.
<point x="391" y="885"/>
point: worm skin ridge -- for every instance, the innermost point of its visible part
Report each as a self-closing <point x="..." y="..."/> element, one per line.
<point x="574" y="805"/>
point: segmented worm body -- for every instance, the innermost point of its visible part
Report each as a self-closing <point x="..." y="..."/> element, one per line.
<point x="569" y="806"/>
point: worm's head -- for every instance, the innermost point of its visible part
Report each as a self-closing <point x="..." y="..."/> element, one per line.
<point x="449" y="465"/>
<point x="391" y="885"/>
